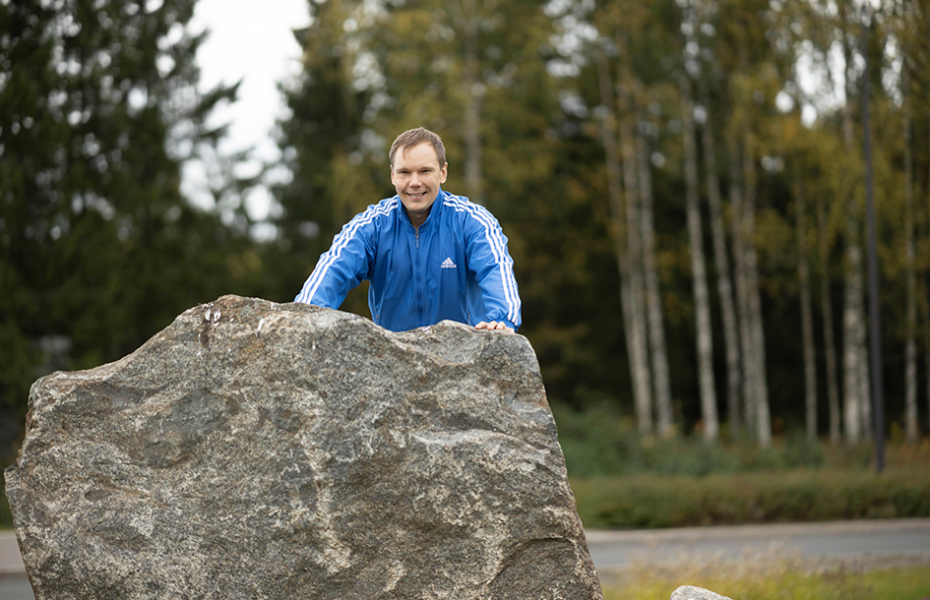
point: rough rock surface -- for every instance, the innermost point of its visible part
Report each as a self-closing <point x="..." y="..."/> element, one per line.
<point x="690" y="592"/>
<point x="258" y="450"/>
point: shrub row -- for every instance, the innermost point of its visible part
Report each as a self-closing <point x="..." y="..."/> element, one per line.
<point x="600" y="442"/>
<point x="650" y="501"/>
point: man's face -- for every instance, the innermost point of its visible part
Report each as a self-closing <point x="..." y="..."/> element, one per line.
<point x="416" y="176"/>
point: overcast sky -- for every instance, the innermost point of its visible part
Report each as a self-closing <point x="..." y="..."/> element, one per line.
<point x="251" y="41"/>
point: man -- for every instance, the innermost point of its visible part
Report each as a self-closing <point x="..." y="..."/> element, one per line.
<point x="428" y="254"/>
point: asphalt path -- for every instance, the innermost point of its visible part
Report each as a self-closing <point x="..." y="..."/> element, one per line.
<point x="837" y="540"/>
<point x="613" y="551"/>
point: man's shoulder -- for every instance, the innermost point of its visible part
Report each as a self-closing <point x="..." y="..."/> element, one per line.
<point x="384" y="208"/>
<point x="465" y="208"/>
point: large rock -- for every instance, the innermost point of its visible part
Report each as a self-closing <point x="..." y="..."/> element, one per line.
<point x="259" y="450"/>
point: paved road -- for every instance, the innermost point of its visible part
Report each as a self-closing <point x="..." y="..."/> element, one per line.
<point x="612" y="550"/>
<point x="843" y="540"/>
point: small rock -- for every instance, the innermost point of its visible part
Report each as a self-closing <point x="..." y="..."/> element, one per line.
<point x="690" y="592"/>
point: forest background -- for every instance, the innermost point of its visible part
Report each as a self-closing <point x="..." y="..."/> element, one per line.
<point x="683" y="184"/>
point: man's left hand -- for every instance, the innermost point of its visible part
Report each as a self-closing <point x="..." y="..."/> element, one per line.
<point x="494" y="326"/>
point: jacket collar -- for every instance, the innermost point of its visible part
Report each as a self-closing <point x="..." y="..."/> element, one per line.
<point x="434" y="211"/>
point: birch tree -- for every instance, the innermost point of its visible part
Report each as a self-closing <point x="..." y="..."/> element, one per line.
<point x="635" y="335"/>
<point x="755" y="323"/>
<point x="698" y="268"/>
<point x="910" y="369"/>
<point x="748" y="349"/>
<point x="721" y="258"/>
<point x="855" y="394"/>
<point x="826" y="309"/>
<point x="631" y="185"/>
<point x="807" y="318"/>
<point x="659" y="357"/>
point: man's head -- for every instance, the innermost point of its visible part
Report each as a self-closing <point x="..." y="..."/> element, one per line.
<point x="418" y="168"/>
<point x="414" y="137"/>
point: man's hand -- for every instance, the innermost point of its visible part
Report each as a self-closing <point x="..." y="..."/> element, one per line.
<point x="494" y="326"/>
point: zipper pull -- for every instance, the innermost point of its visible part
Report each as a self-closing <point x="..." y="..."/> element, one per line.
<point x="418" y="239"/>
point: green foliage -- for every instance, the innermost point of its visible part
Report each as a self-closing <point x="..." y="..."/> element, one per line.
<point x="650" y="501"/>
<point x="98" y="110"/>
<point x="599" y="442"/>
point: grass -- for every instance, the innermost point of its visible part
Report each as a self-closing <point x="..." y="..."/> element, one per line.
<point x="768" y="576"/>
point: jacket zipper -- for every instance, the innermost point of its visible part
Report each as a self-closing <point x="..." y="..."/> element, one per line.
<point x="417" y="280"/>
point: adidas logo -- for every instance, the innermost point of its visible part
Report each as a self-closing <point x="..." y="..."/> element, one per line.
<point x="448" y="264"/>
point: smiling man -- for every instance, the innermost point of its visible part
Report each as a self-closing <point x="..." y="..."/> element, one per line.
<point x="429" y="255"/>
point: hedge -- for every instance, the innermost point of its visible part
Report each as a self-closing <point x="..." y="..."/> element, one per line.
<point x="649" y="501"/>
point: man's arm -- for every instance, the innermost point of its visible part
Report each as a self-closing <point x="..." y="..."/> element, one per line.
<point x="344" y="266"/>
<point x="489" y="259"/>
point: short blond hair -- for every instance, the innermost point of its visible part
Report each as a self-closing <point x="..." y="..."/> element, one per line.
<point x="414" y="137"/>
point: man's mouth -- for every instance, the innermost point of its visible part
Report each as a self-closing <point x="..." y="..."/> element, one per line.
<point x="416" y="195"/>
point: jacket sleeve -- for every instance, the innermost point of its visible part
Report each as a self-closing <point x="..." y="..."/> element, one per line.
<point x="343" y="267"/>
<point x="492" y="265"/>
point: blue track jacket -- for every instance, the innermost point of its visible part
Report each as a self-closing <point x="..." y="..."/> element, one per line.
<point x="456" y="267"/>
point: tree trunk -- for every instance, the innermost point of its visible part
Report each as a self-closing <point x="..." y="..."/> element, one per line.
<point x="852" y="317"/>
<point x="663" y="392"/>
<point x="705" y="347"/>
<point x="833" y="394"/>
<point x="724" y="283"/>
<point x="635" y="252"/>
<point x="910" y="353"/>
<point x="635" y="343"/>
<point x="925" y="304"/>
<point x="853" y="328"/>
<point x="807" y="320"/>
<point x="473" y="93"/>
<point x="763" y="420"/>
<point x="742" y="297"/>
<point x="865" y="386"/>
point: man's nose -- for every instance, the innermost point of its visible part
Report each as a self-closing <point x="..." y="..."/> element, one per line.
<point x="415" y="180"/>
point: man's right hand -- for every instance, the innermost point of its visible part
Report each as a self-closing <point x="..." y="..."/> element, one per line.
<point x="494" y="326"/>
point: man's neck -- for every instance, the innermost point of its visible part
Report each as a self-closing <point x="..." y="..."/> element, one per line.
<point x="418" y="219"/>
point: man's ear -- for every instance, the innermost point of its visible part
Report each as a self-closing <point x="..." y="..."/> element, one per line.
<point x="392" y="174"/>
<point x="442" y="174"/>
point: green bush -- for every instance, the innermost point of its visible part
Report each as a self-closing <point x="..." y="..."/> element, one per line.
<point x="650" y="501"/>
<point x="600" y="442"/>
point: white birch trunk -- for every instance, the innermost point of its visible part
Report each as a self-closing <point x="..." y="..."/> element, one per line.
<point x="763" y="419"/>
<point x="925" y="304"/>
<point x="742" y="297"/>
<point x="473" y="93"/>
<point x="852" y="314"/>
<point x="826" y="306"/>
<point x="635" y="253"/>
<point x="721" y="258"/>
<point x="705" y="348"/>
<point x="853" y="352"/>
<point x="865" y="378"/>
<point x="635" y="344"/>
<point x="910" y="368"/>
<point x="660" y="373"/>
<point x="807" y="320"/>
